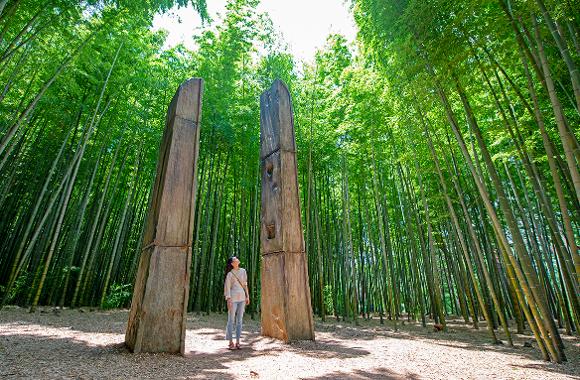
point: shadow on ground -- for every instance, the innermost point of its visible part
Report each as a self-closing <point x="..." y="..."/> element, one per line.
<point x="57" y="358"/>
<point x="374" y="374"/>
<point x="458" y="335"/>
<point x="33" y="345"/>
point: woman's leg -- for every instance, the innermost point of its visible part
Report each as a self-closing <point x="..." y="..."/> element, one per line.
<point x="240" y="307"/>
<point x="230" y="325"/>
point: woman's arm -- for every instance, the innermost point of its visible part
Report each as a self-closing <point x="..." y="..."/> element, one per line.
<point x="227" y="290"/>
<point x="227" y="286"/>
<point x="246" y="288"/>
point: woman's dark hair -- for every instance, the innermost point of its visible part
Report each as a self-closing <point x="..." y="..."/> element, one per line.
<point x="229" y="266"/>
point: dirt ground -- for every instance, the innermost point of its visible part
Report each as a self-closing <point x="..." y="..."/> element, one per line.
<point x="89" y="345"/>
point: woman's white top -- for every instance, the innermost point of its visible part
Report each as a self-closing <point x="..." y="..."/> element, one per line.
<point x="232" y="287"/>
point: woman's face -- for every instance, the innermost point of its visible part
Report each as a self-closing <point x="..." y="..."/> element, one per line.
<point x="236" y="263"/>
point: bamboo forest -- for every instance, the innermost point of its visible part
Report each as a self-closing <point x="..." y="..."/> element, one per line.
<point x="437" y="161"/>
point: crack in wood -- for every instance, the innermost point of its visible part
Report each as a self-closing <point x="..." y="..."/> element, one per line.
<point x="154" y="244"/>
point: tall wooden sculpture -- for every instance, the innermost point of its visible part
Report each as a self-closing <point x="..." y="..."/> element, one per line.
<point x="158" y="311"/>
<point x="286" y="309"/>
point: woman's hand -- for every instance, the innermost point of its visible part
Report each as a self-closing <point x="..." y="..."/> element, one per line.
<point x="247" y="300"/>
<point x="229" y="301"/>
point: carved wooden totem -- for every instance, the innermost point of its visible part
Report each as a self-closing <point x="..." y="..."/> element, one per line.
<point x="158" y="311"/>
<point x="286" y="309"/>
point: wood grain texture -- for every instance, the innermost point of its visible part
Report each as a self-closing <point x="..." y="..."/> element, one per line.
<point x="159" y="306"/>
<point x="286" y="311"/>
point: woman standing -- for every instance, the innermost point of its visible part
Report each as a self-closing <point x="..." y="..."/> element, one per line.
<point x="237" y="297"/>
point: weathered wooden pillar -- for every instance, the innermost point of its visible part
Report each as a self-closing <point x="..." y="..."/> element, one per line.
<point x="158" y="311"/>
<point x="286" y="310"/>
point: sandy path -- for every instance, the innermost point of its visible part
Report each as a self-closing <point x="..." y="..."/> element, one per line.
<point x="88" y="345"/>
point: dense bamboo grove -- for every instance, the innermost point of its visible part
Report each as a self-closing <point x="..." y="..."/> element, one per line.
<point x="438" y="160"/>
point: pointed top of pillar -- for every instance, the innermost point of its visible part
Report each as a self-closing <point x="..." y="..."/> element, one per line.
<point x="185" y="101"/>
<point x="276" y="120"/>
